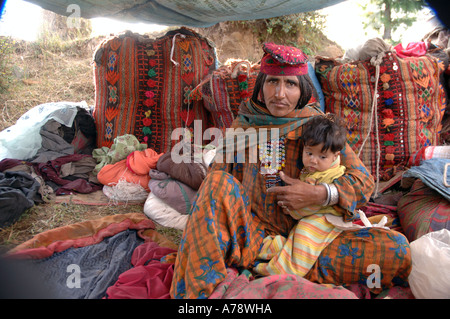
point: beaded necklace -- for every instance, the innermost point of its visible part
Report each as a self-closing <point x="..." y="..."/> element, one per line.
<point x="274" y="149"/>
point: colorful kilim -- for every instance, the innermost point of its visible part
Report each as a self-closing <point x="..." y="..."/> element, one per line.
<point x="224" y="90"/>
<point x="143" y="86"/>
<point x="115" y="84"/>
<point x="409" y="107"/>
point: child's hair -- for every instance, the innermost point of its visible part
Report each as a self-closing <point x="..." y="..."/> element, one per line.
<point x="327" y="129"/>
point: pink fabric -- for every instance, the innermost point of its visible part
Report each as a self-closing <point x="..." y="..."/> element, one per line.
<point x="396" y="292"/>
<point x="413" y="49"/>
<point x="148" y="279"/>
<point x="276" y="287"/>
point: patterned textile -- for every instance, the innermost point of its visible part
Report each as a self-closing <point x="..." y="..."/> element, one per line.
<point x="244" y="286"/>
<point x="143" y="86"/>
<point x="423" y="210"/>
<point x="375" y="212"/>
<point x="283" y="60"/>
<point x="224" y="89"/>
<point x="354" y="187"/>
<point x="349" y="257"/>
<point x="406" y="115"/>
<point x="226" y="229"/>
<point x="221" y="231"/>
<point x="429" y="152"/>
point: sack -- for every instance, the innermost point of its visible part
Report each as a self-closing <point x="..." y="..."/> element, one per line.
<point x="423" y="210"/>
<point x="406" y="115"/>
<point x="226" y="88"/>
<point x="429" y="277"/>
<point x="143" y="86"/>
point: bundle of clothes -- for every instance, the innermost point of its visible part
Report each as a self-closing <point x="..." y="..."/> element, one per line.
<point x="45" y="154"/>
<point x="132" y="172"/>
<point x="61" y="159"/>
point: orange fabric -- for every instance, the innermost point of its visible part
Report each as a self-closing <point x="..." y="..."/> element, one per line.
<point x="141" y="162"/>
<point x="133" y="169"/>
<point x="80" y="234"/>
<point x="111" y="174"/>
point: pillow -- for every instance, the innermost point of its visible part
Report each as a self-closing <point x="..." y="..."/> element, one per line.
<point x="191" y="174"/>
<point x="174" y="193"/>
<point x="163" y="214"/>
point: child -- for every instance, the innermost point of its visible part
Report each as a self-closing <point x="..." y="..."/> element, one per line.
<point x="324" y="136"/>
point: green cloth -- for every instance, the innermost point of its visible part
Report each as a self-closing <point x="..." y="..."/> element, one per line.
<point x="122" y="147"/>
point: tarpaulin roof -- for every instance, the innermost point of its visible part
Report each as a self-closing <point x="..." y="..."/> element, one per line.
<point x="190" y="13"/>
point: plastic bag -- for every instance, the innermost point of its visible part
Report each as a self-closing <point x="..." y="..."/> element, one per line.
<point x="22" y="140"/>
<point x="430" y="274"/>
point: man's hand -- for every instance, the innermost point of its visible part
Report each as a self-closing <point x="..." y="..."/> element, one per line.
<point x="297" y="194"/>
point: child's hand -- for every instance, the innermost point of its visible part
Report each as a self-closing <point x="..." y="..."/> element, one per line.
<point x="297" y="194"/>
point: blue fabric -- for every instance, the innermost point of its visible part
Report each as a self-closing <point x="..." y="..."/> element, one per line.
<point x="100" y="266"/>
<point x="312" y="75"/>
<point x="431" y="172"/>
<point x="201" y="13"/>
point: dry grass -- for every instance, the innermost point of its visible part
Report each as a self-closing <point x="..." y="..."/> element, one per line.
<point x="43" y="74"/>
<point x="52" y="72"/>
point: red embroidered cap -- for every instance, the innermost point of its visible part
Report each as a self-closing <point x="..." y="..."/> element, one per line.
<point x="283" y="60"/>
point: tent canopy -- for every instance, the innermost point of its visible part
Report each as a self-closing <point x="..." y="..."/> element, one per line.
<point x="190" y="13"/>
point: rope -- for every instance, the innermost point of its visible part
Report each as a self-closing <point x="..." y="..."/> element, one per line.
<point x="237" y="68"/>
<point x="173" y="47"/>
<point x="375" y="61"/>
<point x="124" y="191"/>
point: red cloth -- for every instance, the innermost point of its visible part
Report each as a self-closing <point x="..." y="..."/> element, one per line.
<point x="50" y="171"/>
<point x="283" y="60"/>
<point x="149" y="279"/>
<point x="412" y="49"/>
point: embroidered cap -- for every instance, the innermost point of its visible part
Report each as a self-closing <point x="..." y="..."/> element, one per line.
<point x="283" y="60"/>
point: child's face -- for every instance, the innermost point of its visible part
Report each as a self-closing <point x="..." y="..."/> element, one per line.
<point x="316" y="160"/>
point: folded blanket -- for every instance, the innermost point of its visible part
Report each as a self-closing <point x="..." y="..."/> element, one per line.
<point x="431" y="172"/>
<point x="191" y="173"/>
<point x="122" y="147"/>
<point x="158" y="211"/>
<point x="172" y="192"/>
